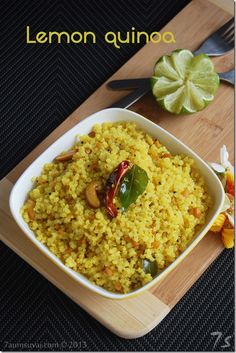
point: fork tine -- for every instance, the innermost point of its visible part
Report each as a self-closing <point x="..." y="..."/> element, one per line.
<point x="229" y="34"/>
<point x="219" y="42"/>
<point x="224" y="28"/>
<point x="229" y="37"/>
<point x="230" y="29"/>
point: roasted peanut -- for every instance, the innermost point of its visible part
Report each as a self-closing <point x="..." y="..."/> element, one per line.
<point x="91" y="194"/>
<point x="166" y="155"/>
<point x="65" y="156"/>
<point x="196" y="212"/>
<point x="92" y="134"/>
<point x="118" y="287"/>
<point x="95" y="167"/>
<point x="185" y="193"/>
<point x="31" y="212"/>
<point x="127" y="238"/>
<point x="157" y="143"/>
<point x="155" y="244"/>
<point x="81" y="241"/>
<point x="108" y="271"/>
<point x="135" y="244"/>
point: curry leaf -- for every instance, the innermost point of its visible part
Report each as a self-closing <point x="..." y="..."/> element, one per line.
<point x="133" y="184"/>
<point x="150" y="267"/>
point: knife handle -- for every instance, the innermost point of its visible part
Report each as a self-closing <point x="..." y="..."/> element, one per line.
<point x="129" y="84"/>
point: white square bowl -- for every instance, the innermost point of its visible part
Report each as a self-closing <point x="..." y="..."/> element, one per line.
<point x="24" y="185"/>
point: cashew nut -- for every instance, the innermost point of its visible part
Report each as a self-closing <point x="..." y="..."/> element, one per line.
<point x="91" y="194"/>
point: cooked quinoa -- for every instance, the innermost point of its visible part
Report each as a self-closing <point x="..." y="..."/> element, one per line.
<point x="109" y="251"/>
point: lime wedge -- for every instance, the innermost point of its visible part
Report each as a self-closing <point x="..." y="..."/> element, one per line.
<point x="183" y="83"/>
<point x="164" y="67"/>
<point x="162" y="86"/>
<point x="181" y="60"/>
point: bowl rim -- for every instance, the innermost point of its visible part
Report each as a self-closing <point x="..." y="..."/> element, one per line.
<point x="73" y="274"/>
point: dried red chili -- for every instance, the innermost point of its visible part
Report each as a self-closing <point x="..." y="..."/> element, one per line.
<point x="230" y="183"/>
<point x="111" y="187"/>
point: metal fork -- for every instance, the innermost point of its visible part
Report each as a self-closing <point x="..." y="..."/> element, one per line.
<point x="220" y="42"/>
<point x="227" y="76"/>
<point x="141" y="86"/>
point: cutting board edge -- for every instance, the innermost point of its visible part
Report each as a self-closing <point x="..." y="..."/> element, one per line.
<point x="73" y="120"/>
<point x="162" y="306"/>
<point x="132" y="334"/>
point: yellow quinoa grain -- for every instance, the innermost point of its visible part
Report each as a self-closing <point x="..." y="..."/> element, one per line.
<point x="157" y="227"/>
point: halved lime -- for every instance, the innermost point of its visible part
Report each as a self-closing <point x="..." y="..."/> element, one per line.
<point x="183" y="83"/>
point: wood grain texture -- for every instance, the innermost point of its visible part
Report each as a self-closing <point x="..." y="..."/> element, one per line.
<point x="227" y="5"/>
<point x="180" y="280"/>
<point x="190" y="27"/>
<point x="204" y="132"/>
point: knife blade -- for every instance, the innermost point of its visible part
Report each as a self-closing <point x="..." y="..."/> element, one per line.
<point x="131" y="98"/>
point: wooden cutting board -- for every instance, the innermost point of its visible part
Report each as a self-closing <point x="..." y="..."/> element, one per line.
<point x="204" y="132"/>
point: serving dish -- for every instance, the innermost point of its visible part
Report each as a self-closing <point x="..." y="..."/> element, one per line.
<point x="24" y="184"/>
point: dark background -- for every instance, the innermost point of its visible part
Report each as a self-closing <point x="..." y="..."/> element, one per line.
<point x="40" y="86"/>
